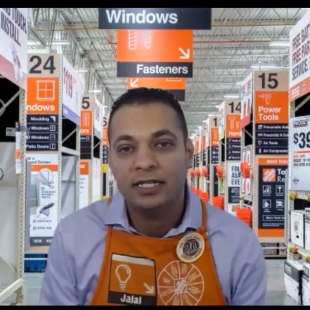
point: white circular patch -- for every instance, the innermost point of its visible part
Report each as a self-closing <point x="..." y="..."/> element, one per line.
<point x="190" y="247"/>
<point x="180" y="284"/>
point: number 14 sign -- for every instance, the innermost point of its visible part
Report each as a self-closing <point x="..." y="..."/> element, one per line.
<point x="299" y="164"/>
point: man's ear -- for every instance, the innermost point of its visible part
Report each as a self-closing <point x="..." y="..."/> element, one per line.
<point x="189" y="152"/>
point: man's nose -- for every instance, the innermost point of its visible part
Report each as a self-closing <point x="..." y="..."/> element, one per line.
<point x="145" y="158"/>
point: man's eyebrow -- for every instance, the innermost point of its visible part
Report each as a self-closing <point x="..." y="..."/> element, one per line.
<point x="163" y="132"/>
<point x="157" y="134"/>
<point x="122" y="138"/>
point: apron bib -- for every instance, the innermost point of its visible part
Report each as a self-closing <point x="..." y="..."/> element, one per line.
<point x="142" y="271"/>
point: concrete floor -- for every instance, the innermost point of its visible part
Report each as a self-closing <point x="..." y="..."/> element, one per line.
<point x="276" y="294"/>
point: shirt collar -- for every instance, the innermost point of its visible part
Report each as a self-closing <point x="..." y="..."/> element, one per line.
<point x="192" y="219"/>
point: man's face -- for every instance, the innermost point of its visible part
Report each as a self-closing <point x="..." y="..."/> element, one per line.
<point x="147" y="154"/>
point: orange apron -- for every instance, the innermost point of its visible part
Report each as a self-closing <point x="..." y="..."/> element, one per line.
<point x="138" y="270"/>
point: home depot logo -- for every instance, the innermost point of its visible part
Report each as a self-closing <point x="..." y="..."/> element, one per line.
<point x="300" y="123"/>
<point x="269" y="175"/>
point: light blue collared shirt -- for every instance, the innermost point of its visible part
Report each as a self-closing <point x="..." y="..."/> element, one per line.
<point x="77" y="250"/>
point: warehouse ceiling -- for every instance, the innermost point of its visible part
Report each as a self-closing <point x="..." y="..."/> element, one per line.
<point x="240" y="39"/>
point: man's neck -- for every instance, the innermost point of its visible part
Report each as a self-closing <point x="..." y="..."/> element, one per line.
<point x="158" y="222"/>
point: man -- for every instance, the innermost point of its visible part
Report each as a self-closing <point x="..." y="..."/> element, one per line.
<point x="154" y="243"/>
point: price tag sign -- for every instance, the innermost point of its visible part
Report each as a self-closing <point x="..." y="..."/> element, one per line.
<point x="299" y="166"/>
<point x="71" y="93"/>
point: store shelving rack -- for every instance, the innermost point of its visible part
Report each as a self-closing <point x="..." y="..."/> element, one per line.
<point x="248" y="138"/>
<point x="229" y="109"/>
<point x="12" y="186"/>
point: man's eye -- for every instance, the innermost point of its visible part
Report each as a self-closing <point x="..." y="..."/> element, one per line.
<point x="125" y="149"/>
<point x="164" y="144"/>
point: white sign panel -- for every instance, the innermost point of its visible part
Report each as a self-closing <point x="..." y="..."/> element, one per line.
<point x="84" y="184"/>
<point x="246" y="100"/>
<point x="98" y="119"/>
<point x="299" y="165"/>
<point x="234" y="174"/>
<point x="96" y="190"/>
<point x="44" y="197"/>
<point x="300" y="58"/>
<point x="71" y="93"/>
<point x="13" y="45"/>
<point x="221" y="120"/>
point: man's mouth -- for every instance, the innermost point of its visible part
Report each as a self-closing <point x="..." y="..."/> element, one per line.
<point x="148" y="183"/>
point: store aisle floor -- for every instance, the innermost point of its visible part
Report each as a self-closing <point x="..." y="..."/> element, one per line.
<point x="276" y="292"/>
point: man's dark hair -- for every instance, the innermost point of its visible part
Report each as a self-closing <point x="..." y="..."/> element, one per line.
<point x="149" y="95"/>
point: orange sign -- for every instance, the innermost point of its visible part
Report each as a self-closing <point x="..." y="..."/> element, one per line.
<point x="42" y="95"/>
<point x="271" y="108"/>
<point x="233" y="129"/>
<point x="84" y="167"/>
<point x="154" y="46"/>
<point x="163" y="83"/>
<point x="86" y="123"/>
<point x="214" y="136"/>
<point x="197" y="147"/>
<point x="204" y="145"/>
<point x="105" y="136"/>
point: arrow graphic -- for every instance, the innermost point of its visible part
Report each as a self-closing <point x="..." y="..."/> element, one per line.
<point x="133" y="83"/>
<point x="186" y="55"/>
<point x="149" y="289"/>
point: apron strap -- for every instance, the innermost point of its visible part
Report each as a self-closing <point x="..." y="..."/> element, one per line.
<point x="204" y="215"/>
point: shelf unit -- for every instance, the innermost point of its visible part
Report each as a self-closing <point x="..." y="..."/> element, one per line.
<point x="264" y="140"/>
<point x="229" y="154"/>
<point x="212" y="155"/>
<point x="91" y="135"/>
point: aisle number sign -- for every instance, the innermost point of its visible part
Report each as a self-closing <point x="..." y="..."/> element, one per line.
<point x="175" y="86"/>
<point x="300" y="58"/>
<point x="155" y="53"/>
<point x="214" y="139"/>
<point x="42" y="108"/>
<point x="271" y="112"/>
<point x="155" y="18"/>
<point x="71" y="92"/>
<point x="13" y="47"/>
<point x="299" y="165"/>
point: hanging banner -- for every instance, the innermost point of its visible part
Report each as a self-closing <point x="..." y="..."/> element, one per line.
<point x="299" y="165"/>
<point x="13" y="45"/>
<point x="246" y="100"/>
<point x="271" y="196"/>
<point x="271" y="112"/>
<point x="71" y="92"/>
<point x="221" y="121"/>
<point x="98" y="118"/>
<point x="155" y="18"/>
<point x="44" y="198"/>
<point x="42" y="107"/>
<point x="299" y="81"/>
<point x="155" y="53"/>
<point x="175" y="86"/>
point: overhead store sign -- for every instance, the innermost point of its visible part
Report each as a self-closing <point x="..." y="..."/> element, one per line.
<point x="299" y="164"/>
<point x="71" y="93"/>
<point x="155" y="18"/>
<point x="271" y="112"/>
<point x="175" y="86"/>
<point x="13" y="45"/>
<point x="155" y="53"/>
<point x="299" y="58"/>
<point x="86" y="128"/>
